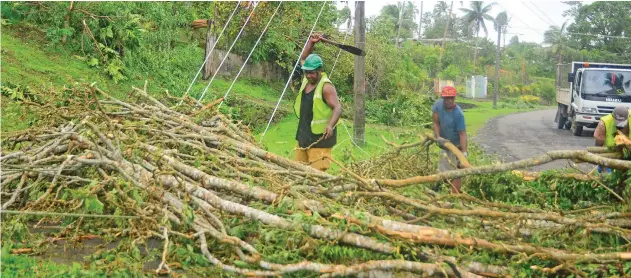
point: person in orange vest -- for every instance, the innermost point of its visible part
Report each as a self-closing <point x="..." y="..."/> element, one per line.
<point x="318" y="109"/>
<point x="449" y="124"/>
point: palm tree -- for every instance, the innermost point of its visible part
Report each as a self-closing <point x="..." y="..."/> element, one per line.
<point x="441" y="9"/>
<point x="402" y="15"/>
<point x="500" y="21"/>
<point x="344" y="16"/>
<point x="557" y="39"/>
<point x="474" y="18"/>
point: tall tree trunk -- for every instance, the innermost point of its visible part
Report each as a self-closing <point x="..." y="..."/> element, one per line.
<point x="497" y="69"/>
<point x="359" y="84"/>
<point x="442" y="48"/>
<point x="64" y="38"/>
<point x="210" y="42"/>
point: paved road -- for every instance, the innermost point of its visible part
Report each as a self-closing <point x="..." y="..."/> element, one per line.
<point x="523" y="135"/>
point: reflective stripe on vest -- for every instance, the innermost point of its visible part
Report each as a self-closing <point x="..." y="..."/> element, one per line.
<point x="611" y="131"/>
<point x="321" y="111"/>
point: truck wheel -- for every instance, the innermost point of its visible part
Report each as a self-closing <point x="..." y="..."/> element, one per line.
<point x="568" y="125"/>
<point x="577" y="129"/>
<point x="561" y="122"/>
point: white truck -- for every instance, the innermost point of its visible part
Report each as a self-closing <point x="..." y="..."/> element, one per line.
<point x="594" y="90"/>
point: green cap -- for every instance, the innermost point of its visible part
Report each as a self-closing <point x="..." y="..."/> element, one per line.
<point x="313" y="62"/>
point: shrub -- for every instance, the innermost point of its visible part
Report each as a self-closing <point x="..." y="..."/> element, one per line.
<point x="530" y="99"/>
<point x="461" y="89"/>
<point x="547" y="91"/>
<point x="526" y="90"/>
<point x="402" y="109"/>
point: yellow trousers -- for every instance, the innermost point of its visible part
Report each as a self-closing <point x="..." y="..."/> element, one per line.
<point x="314" y="157"/>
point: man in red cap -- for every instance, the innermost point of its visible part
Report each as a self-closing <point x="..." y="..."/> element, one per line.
<point x="449" y="124"/>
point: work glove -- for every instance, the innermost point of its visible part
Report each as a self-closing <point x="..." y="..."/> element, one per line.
<point x="466" y="155"/>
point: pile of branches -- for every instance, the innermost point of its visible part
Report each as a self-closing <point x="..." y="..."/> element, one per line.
<point x="187" y="176"/>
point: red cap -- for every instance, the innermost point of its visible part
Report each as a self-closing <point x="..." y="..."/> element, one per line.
<point x="448" y="91"/>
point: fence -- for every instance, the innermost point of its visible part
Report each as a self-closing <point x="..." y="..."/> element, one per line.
<point x="476" y="86"/>
<point x="262" y="70"/>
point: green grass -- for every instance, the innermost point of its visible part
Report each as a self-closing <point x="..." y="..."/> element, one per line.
<point x="25" y="266"/>
<point x="280" y="137"/>
<point x="24" y="63"/>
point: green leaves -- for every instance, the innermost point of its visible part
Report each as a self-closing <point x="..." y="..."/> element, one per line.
<point x="92" y="204"/>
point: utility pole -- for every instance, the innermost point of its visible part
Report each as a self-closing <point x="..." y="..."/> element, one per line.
<point x="420" y="23"/>
<point x="401" y="6"/>
<point x="442" y="48"/>
<point x="359" y="84"/>
<point x="497" y="66"/>
<point x="523" y="66"/>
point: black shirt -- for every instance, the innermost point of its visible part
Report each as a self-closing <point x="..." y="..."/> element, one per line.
<point x="304" y="136"/>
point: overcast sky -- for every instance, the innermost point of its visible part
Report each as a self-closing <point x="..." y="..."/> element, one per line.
<point x="528" y="19"/>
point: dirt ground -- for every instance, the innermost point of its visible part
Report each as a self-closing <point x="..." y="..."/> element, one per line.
<point x="523" y="135"/>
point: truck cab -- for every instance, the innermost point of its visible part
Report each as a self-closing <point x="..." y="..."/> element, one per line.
<point x="595" y="89"/>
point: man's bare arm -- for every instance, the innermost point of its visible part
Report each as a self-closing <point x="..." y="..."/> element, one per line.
<point x="463" y="140"/>
<point x="330" y="95"/>
<point x="600" y="134"/>
<point x="436" y="125"/>
<point x="309" y="47"/>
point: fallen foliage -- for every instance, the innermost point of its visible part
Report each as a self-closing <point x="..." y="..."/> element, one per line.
<point x="197" y="180"/>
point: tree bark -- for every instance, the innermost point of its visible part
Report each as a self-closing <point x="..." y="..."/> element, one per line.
<point x="525" y="163"/>
<point x="67" y="22"/>
<point x="442" y="48"/>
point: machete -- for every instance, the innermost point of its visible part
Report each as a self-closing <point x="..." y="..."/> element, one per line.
<point x="348" y="48"/>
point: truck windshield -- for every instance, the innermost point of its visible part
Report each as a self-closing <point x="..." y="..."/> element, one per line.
<point x="605" y="83"/>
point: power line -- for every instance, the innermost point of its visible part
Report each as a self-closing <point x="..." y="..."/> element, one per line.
<point x="251" y="51"/>
<point x="599" y="35"/>
<point x="292" y="71"/>
<point x="575" y="33"/>
<point x="544" y="14"/>
<point x="228" y="52"/>
<point x="210" y="52"/>
<point x="537" y="14"/>
<point x="538" y="31"/>
<point x="518" y="18"/>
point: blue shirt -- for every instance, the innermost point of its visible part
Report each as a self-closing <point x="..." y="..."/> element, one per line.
<point x="450" y="122"/>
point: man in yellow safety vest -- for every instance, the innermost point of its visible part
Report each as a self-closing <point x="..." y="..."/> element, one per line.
<point x="608" y="127"/>
<point x="318" y="110"/>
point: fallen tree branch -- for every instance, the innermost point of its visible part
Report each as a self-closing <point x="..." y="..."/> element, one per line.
<point x="525" y="163"/>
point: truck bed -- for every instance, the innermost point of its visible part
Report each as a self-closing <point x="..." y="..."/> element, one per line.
<point x="563" y="96"/>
